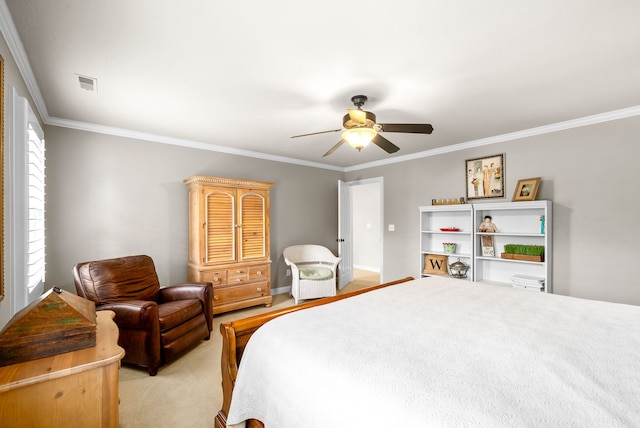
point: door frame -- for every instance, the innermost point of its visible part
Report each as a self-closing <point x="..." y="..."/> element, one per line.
<point x="345" y="217"/>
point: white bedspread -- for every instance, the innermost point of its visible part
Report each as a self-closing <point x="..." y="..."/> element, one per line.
<point x="438" y="352"/>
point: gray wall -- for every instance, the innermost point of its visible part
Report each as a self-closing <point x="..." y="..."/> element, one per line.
<point x="110" y="196"/>
<point x="589" y="173"/>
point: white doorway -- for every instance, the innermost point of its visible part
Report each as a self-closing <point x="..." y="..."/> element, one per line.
<point x="361" y="223"/>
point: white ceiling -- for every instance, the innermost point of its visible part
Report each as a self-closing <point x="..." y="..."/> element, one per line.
<point x="240" y="75"/>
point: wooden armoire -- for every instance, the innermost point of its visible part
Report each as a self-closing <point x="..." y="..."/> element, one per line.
<point x="229" y="240"/>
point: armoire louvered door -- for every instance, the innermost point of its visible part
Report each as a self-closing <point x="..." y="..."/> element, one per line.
<point x="229" y="241"/>
<point x="220" y="230"/>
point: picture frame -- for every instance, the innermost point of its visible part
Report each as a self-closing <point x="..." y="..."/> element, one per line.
<point x="526" y="189"/>
<point x="488" y="249"/>
<point x="484" y="177"/>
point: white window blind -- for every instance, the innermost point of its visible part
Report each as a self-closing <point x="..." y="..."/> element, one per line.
<point x="35" y="234"/>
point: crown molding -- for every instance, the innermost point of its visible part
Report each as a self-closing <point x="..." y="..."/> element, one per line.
<point x="128" y="133"/>
<point x="10" y="34"/>
<point x="546" y="129"/>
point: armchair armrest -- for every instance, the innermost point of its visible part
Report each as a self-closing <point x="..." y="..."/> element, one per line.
<point x="295" y="271"/>
<point x="192" y="290"/>
<point x="189" y="290"/>
<point x="134" y="314"/>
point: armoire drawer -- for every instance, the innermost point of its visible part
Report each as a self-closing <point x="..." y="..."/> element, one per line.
<point x="217" y="277"/>
<point x="239" y="292"/>
<point x="237" y="276"/>
<point x="258" y="272"/>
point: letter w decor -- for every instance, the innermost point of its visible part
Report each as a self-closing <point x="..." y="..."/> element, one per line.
<point x="435" y="264"/>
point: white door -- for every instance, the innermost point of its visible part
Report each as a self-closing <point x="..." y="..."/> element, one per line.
<point x="345" y="247"/>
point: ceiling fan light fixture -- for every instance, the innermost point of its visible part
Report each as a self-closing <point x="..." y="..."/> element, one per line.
<point x="359" y="129"/>
<point x="359" y="138"/>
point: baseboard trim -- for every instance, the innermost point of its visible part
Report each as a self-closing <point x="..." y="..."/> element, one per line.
<point x="281" y="290"/>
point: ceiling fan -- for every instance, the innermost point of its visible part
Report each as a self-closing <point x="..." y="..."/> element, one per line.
<point x="360" y="128"/>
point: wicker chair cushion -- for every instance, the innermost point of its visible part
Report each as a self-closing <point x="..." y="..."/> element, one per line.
<point x="315" y="273"/>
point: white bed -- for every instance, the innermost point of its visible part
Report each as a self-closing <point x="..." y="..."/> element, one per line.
<point x="442" y="352"/>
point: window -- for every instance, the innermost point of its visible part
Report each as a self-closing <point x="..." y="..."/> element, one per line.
<point x="27" y="234"/>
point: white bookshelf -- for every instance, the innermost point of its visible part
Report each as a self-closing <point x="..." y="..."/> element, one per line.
<point x="518" y="223"/>
<point x="436" y="217"/>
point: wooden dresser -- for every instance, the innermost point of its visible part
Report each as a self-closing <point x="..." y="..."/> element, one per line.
<point x="73" y="389"/>
<point x="229" y="240"/>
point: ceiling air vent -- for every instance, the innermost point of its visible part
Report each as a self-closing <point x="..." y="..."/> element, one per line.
<point x="88" y="83"/>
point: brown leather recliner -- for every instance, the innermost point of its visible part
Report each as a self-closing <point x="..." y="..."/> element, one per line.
<point x="156" y="324"/>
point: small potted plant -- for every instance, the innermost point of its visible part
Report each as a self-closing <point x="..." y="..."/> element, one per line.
<point x="449" y="247"/>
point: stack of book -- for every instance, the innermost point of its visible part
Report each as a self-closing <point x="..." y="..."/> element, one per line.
<point x="527" y="282"/>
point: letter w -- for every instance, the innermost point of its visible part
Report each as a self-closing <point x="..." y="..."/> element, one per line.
<point x="435" y="263"/>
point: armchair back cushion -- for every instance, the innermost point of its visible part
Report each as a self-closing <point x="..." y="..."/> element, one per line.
<point x="119" y="280"/>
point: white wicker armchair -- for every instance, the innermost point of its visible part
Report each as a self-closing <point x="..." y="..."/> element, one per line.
<point x="313" y="271"/>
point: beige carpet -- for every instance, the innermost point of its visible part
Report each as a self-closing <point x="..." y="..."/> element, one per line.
<point x="187" y="393"/>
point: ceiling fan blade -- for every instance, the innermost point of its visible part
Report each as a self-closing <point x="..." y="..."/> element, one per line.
<point x="412" y="128"/>
<point x="316" y="133"/>
<point x="385" y="144"/>
<point x="334" y="148"/>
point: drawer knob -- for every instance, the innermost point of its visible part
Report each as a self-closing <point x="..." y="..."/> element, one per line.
<point x="238" y="280"/>
<point x="259" y="272"/>
<point x="216" y="279"/>
<point x="259" y="290"/>
<point x="215" y="297"/>
<point x="238" y="271"/>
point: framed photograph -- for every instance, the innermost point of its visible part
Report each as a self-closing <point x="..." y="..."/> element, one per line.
<point x="485" y="177"/>
<point x="487" y="246"/>
<point x="527" y="189"/>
